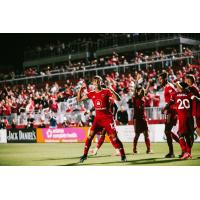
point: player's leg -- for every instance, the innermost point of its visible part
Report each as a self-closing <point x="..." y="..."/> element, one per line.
<point x="147" y="141"/>
<point x="197" y="125"/>
<point x="109" y="126"/>
<point x="135" y="141"/>
<point x="87" y="145"/>
<point x="137" y="134"/>
<point x="182" y="143"/>
<point x="168" y="128"/>
<point x="100" y="142"/>
<point x="174" y="122"/>
<point x="175" y="137"/>
<point x="185" y="140"/>
<point x="94" y="129"/>
<point x="189" y="136"/>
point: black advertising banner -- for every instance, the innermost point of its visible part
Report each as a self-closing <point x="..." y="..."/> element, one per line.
<point x="21" y="136"/>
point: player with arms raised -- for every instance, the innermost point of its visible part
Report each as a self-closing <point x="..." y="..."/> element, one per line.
<point x="104" y="118"/>
<point x="171" y="116"/>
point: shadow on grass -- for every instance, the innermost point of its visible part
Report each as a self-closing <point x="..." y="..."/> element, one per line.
<point x="150" y="161"/>
<point x="69" y="158"/>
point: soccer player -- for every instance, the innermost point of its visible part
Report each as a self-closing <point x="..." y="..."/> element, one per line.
<point x="183" y="102"/>
<point x="102" y="134"/>
<point x="103" y="118"/>
<point x="193" y="89"/>
<point x="171" y="116"/>
<point x="140" y="122"/>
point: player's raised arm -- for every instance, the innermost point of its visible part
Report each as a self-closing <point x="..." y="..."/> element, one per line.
<point x="115" y="95"/>
<point x="79" y="98"/>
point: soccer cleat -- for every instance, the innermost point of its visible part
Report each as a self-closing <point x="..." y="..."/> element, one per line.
<point x="181" y="154"/>
<point x="149" y="151"/>
<point x="123" y="159"/>
<point x="135" y="151"/>
<point x="186" y="156"/>
<point x="170" y="155"/>
<point x="83" y="158"/>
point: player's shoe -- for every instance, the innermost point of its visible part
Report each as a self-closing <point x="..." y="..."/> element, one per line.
<point x="83" y="158"/>
<point x="170" y="155"/>
<point x="149" y="151"/>
<point x="123" y="159"/>
<point x="181" y="154"/>
<point x="135" y="151"/>
<point x="186" y="156"/>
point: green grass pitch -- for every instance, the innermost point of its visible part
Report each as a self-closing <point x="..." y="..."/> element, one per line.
<point x="67" y="154"/>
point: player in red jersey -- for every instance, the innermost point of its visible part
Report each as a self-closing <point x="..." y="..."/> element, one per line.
<point x="171" y="116"/>
<point x="102" y="134"/>
<point x="140" y="122"/>
<point x="194" y="90"/>
<point x="103" y="118"/>
<point x="183" y="102"/>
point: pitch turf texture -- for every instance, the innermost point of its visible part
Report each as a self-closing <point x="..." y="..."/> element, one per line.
<point x="67" y="154"/>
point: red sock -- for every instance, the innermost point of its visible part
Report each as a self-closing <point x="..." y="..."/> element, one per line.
<point x="135" y="143"/>
<point x="100" y="141"/>
<point x="118" y="145"/>
<point x="188" y="143"/>
<point x="182" y="144"/>
<point x="148" y="144"/>
<point x="188" y="148"/>
<point x="88" y="144"/>
<point x="175" y="137"/>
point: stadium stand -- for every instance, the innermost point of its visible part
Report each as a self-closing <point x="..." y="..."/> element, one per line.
<point x="46" y="91"/>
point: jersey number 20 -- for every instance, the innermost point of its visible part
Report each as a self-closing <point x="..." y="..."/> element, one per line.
<point x="183" y="104"/>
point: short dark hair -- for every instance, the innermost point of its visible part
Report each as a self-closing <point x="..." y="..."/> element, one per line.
<point x="164" y="75"/>
<point x="98" y="78"/>
<point x="190" y="77"/>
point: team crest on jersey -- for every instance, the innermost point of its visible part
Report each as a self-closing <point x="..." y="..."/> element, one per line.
<point x="98" y="103"/>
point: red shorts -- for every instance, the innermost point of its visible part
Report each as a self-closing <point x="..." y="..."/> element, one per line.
<point x="105" y="122"/>
<point x="140" y="125"/>
<point x="186" y="125"/>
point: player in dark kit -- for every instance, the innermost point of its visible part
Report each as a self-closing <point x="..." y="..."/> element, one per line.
<point x="171" y="115"/>
<point x="140" y="122"/>
<point x="183" y="102"/>
<point x="194" y="90"/>
<point x="104" y="118"/>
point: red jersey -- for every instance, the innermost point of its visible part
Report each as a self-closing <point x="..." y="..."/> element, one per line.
<point x="183" y="105"/>
<point x="138" y="105"/>
<point x="101" y="101"/>
<point x="169" y="89"/>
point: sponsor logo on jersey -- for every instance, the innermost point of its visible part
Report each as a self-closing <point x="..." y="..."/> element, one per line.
<point x="98" y="103"/>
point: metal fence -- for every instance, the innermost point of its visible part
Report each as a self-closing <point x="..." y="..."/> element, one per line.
<point x="90" y="72"/>
<point x="76" y="116"/>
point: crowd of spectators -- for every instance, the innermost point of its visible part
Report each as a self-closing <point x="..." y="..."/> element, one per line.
<point x="112" y="60"/>
<point x="19" y="104"/>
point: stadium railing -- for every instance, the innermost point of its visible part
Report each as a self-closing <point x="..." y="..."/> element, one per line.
<point x="96" y="70"/>
<point x="76" y="116"/>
